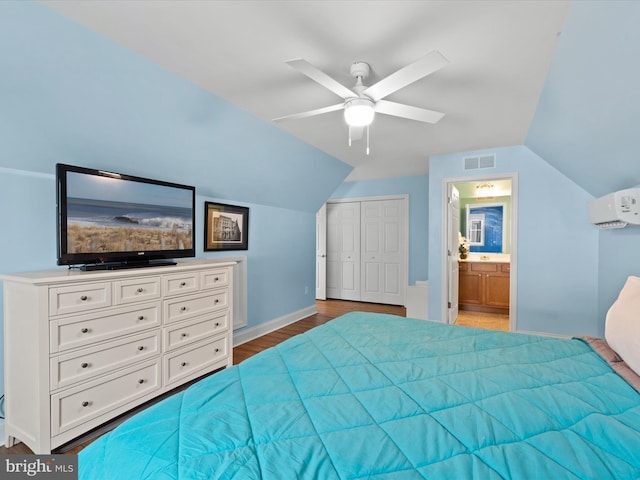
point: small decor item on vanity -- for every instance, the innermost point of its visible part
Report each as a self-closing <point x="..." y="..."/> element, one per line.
<point x="226" y="227"/>
<point x="463" y="246"/>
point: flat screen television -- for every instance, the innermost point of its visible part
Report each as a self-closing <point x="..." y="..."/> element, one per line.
<point x="111" y="220"/>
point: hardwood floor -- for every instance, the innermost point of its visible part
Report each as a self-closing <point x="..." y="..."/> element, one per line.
<point x="327" y="310"/>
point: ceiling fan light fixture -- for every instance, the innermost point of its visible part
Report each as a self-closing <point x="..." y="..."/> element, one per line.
<point x="359" y="112"/>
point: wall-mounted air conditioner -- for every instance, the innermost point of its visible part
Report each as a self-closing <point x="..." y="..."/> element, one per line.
<point x="616" y="210"/>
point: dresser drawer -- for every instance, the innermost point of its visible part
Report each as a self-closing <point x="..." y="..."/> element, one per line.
<point x="189" y="361"/>
<point x="136" y="290"/>
<point x="182" y="308"/>
<point x="90" y="362"/>
<point x="214" y="278"/>
<point x="192" y="331"/>
<point x="181" y="283"/>
<point x="77" y="405"/>
<point x="83" y="330"/>
<point x="79" y="298"/>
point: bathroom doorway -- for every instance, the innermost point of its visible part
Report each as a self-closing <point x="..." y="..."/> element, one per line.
<point x="480" y="254"/>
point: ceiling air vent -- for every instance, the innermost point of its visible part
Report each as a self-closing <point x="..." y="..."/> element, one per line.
<point x="482" y="161"/>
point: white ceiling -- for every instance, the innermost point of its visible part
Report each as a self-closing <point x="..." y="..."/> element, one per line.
<point x="500" y="52"/>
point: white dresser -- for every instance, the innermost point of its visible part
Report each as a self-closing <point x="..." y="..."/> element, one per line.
<point x="84" y="347"/>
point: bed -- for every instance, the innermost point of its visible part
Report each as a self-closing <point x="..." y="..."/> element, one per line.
<point x="385" y="397"/>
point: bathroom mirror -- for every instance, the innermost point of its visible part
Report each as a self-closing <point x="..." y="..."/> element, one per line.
<point x="485" y="227"/>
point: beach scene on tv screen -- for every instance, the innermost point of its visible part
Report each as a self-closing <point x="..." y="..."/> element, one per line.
<point x="106" y="214"/>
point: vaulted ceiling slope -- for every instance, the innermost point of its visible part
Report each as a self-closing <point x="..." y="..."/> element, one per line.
<point x="586" y="124"/>
<point x="499" y="53"/>
<point x="71" y="95"/>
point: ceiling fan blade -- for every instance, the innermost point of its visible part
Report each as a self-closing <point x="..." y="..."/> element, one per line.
<point x="322" y="78"/>
<point x="428" y="64"/>
<point x="407" y="111"/>
<point x="311" y="113"/>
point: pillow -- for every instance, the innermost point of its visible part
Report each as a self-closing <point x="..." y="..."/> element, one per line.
<point x="622" y="325"/>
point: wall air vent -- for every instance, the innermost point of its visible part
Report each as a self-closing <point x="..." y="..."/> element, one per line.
<point x="482" y="161"/>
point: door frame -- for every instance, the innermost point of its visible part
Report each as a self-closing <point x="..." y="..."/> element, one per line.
<point x="452" y="246"/>
<point x="405" y="260"/>
<point x="321" y="253"/>
<point x="513" y="279"/>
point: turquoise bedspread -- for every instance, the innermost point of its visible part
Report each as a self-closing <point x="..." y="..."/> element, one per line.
<point x="384" y="397"/>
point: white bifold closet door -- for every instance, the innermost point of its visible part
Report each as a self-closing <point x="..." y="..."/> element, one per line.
<point x="343" y="250"/>
<point x="366" y="251"/>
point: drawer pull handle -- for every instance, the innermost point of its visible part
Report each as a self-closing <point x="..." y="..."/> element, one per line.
<point x="140" y="348"/>
<point x="141" y="317"/>
<point x="140" y="290"/>
<point x="85" y="330"/>
<point x="217" y="350"/>
<point x="84" y="364"/>
<point x="217" y="324"/>
<point x="183" y="309"/>
<point x="141" y="381"/>
<point x="183" y="284"/>
<point x="85" y="404"/>
<point x="216" y="301"/>
<point x="84" y="298"/>
<point x="183" y="335"/>
<point x="183" y="364"/>
<point x="216" y="279"/>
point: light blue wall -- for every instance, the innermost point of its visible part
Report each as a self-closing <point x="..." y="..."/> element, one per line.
<point x="586" y="123"/>
<point x="417" y="188"/>
<point x="557" y="250"/>
<point x="619" y="258"/>
<point x="69" y="95"/>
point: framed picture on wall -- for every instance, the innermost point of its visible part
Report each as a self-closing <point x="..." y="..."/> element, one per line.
<point x="226" y="227"/>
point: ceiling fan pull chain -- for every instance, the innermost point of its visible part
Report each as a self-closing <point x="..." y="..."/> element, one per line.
<point x="367" y="139"/>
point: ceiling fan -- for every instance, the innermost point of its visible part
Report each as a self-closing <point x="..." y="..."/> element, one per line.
<point x="361" y="103"/>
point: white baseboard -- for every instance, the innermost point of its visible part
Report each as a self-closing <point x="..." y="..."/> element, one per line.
<point x="544" y="334"/>
<point x="417" y="299"/>
<point x="272" y="325"/>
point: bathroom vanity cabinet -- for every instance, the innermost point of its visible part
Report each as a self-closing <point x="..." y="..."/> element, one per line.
<point x="484" y="286"/>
